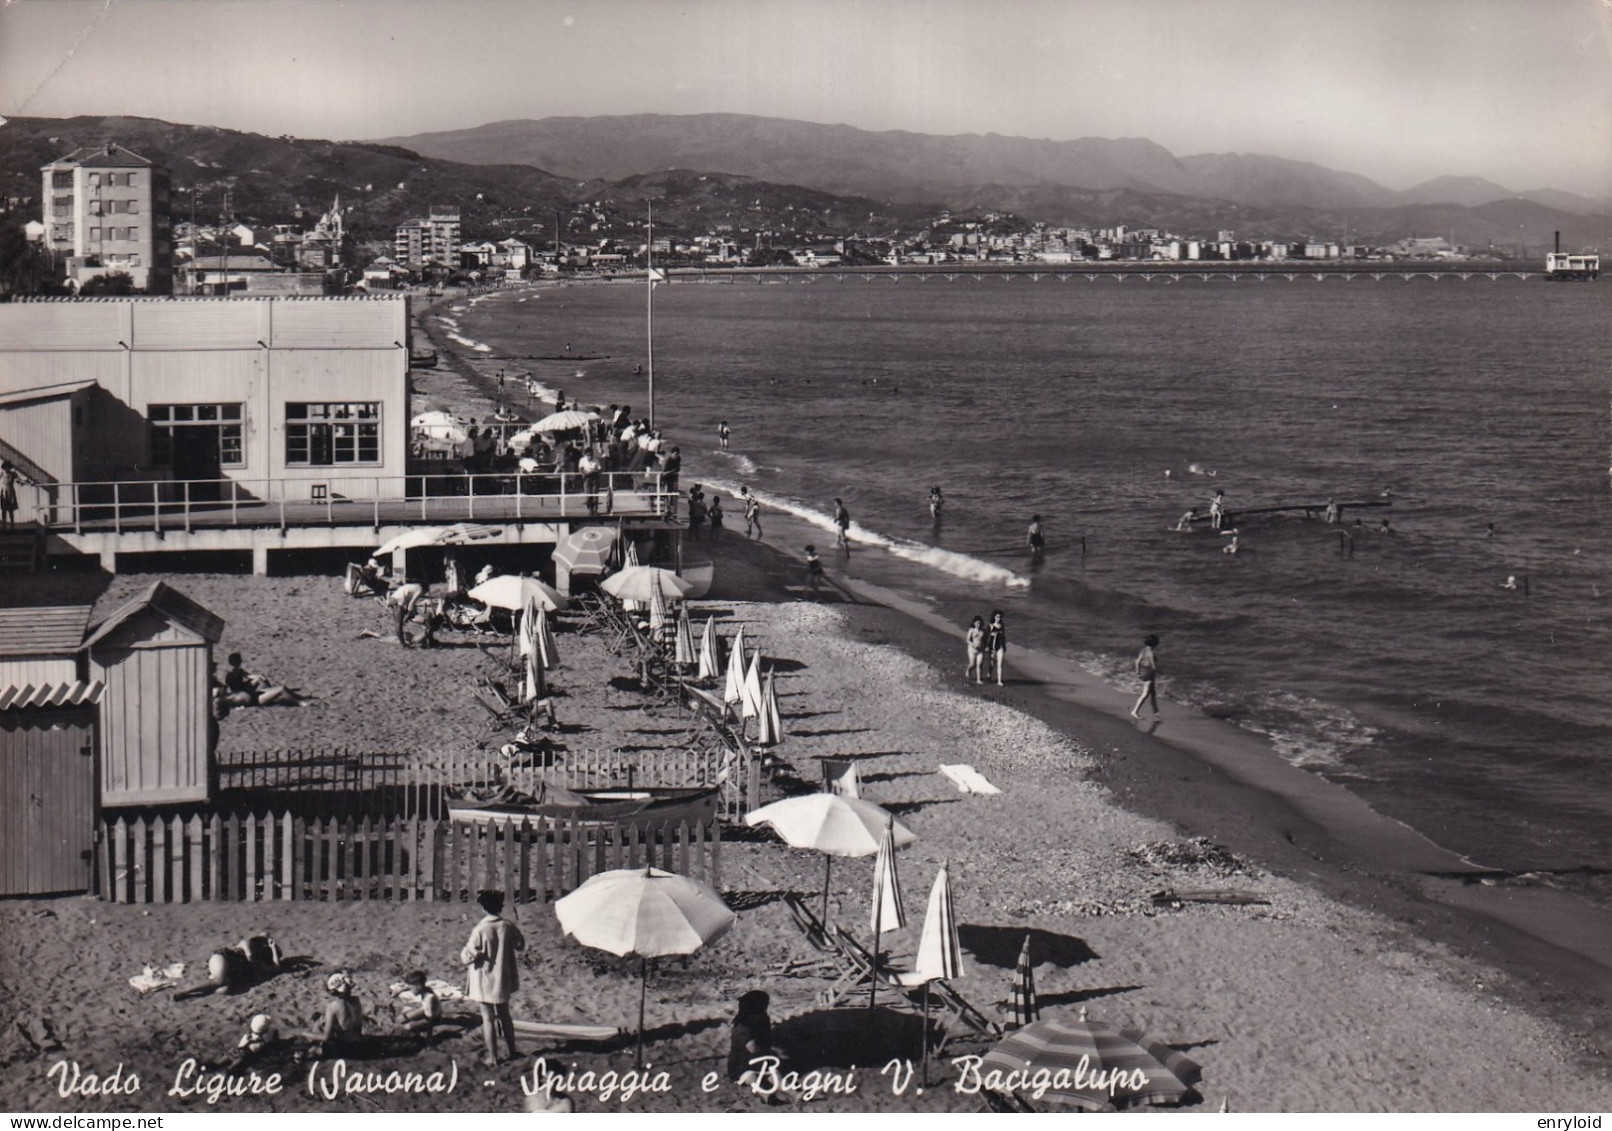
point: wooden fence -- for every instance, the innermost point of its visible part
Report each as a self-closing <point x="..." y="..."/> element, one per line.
<point x="384" y="784"/>
<point x="253" y="858"/>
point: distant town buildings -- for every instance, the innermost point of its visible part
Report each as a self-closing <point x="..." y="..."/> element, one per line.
<point x="433" y="240"/>
<point x="105" y="211"/>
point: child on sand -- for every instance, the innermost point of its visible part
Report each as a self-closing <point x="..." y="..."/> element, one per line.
<point x="814" y="571"/>
<point x="342" y="1026"/>
<point x="493" y="975"/>
<point x="421" y="1018"/>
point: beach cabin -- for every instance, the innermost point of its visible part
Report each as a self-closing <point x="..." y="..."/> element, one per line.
<point x="155" y="658"/>
<point x="48" y="771"/>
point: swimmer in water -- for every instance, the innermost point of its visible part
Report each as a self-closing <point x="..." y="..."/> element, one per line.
<point x="1230" y="547"/>
<point x="936" y="501"/>
<point x="1185" y="521"/>
<point x="1510" y="582"/>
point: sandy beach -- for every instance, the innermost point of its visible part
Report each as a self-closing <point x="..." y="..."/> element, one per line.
<point x="1298" y="1002"/>
<point x="1319" y="990"/>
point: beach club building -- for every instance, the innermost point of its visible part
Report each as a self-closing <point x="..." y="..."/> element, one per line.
<point x="186" y="399"/>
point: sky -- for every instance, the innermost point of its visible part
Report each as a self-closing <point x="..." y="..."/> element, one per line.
<point x="1517" y="91"/>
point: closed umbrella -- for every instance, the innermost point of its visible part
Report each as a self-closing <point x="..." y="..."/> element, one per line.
<point x="547" y="652"/>
<point x="750" y="692"/>
<point x="710" y="651"/>
<point x="1113" y="1067"/>
<point x="769" y="725"/>
<point x="564" y="421"/>
<point x="940" y="952"/>
<point x="586" y="550"/>
<point x="643" y="914"/>
<point x="832" y="825"/>
<point x="507" y="591"/>
<point x="640" y="583"/>
<point x="658" y="614"/>
<point x="734" y="691"/>
<point x="630" y="558"/>
<point x="1025" y="1007"/>
<point x="683" y="644"/>
<point x="888" y="912"/>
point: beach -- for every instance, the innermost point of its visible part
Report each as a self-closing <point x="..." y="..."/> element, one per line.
<point x="1332" y="976"/>
<point x="1294" y="1002"/>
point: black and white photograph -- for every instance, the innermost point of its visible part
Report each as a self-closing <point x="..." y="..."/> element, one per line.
<point x="805" y="557"/>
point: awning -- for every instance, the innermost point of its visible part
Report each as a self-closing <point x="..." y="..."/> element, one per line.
<point x="79" y="693"/>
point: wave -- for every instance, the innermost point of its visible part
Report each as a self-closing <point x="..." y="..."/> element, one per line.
<point x="742" y="463"/>
<point x="471" y="343"/>
<point x="946" y="561"/>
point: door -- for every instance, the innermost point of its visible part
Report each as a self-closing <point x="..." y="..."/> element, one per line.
<point x="47" y="787"/>
<point x="196" y="456"/>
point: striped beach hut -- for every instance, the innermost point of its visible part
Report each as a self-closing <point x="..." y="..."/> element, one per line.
<point x="155" y="657"/>
<point x="49" y="783"/>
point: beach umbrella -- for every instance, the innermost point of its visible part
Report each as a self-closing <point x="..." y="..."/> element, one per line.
<point x="442" y="426"/>
<point x="630" y="558"/>
<point x="735" y="685"/>
<point x="769" y="725"/>
<point x="507" y="591"/>
<point x="565" y="421"/>
<point x="750" y="690"/>
<point x="832" y="825"/>
<point x="710" y="652"/>
<point x="643" y="913"/>
<point x="1117" y="1067"/>
<point x="659" y="615"/>
<point x="1025" y="1008"/>
<point x="940" y="952"/>
<point x="683" y="640"/>
<point x="456" y="535"/>
<point x="888" y="912"/>
<point x="640" y="583"/>
<point x="586" y="550"/>
<point x="547" y="652"/>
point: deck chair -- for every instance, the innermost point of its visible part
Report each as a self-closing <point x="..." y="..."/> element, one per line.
<point x="957" y="1010"/>
<point x="1004" y="1102"/>
<point x="594" y="610"/>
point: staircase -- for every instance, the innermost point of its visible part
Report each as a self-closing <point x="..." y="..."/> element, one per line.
<point x="22" y="550"/>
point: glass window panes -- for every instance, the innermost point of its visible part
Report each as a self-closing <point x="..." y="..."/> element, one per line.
<point x="329" y="433"/>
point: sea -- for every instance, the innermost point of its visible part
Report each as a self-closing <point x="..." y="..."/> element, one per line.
<point x="1396" y="660"/>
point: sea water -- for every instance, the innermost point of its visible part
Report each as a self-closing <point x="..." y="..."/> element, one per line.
<point x="1393" y="661"/>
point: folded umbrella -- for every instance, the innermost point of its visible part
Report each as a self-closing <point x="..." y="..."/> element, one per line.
<point x="734" y="691"/>
<point x="710" y="651"/>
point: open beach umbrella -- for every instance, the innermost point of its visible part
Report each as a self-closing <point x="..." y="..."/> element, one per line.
<point x="734" y="691"/>
<point x="683" y="640"/>
<point x="1140" y="1070"/>
<point x="769" y="725"/>
<point x="750" y="690"/>
<point x="507" y="591"/>
<point x="1025" y="1007"/>
<point x="640" y="583"/>
<point x="710" y="652"/>
<point x="586" y="550"/>
<point x="442" y="426"/>
<point x="643" y="913"/>
<point x="832" y="825"/>
<point x="456" y="535"/>
<point x="565" y="421"/>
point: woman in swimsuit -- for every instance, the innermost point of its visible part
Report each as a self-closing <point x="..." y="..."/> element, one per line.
<point x="1147" y="670"/>
<point x="996" y="643"/>
<point x="976" y="651"/>
<point x="1033" y="537"/>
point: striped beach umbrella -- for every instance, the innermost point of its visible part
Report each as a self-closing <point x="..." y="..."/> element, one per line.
<point x="658" y="613"/>
<point x="750" y="691"/>
<point x="1025" y="1009"/>
<point x="710" y="651"/>
<point x="1096" y="1066"/>
<point x="683" y="640"/>
<point x="734" y="691"/>
<point x="769" y="724"/>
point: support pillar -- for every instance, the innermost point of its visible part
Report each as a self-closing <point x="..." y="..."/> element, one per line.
<point x="260" y="560"/>
<point x="562" y="579"/>
<point x="109" y="561"/>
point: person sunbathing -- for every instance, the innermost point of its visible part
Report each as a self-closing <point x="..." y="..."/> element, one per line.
<point x="248" y="962"/>
<point x="249" y="689"/>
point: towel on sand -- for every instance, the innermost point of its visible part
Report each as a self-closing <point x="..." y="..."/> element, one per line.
<point x="445" y="991"/>
<point x="157" y="978"/>
<point x="968" y="779"/>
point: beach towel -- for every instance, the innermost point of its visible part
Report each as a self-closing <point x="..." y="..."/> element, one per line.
<point x="157" y="978"/>
<point x="445" y="991"/>
<point x="968" y="779"/>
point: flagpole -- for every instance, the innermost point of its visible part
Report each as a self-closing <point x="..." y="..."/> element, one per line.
<point x="649" y="308"/>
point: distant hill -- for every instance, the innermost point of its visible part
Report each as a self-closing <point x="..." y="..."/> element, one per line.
<point x="740" y="175"/>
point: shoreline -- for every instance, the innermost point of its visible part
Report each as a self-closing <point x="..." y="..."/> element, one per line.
<point x="1212" y="778"/>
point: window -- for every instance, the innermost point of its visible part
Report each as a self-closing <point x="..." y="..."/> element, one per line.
<point x="196" y="435"/>
<point x="322" y="435"/>
<point x="131" y="206"/>
<point x="134" y="233"/>
<point x="129" y="179"/>
<point x="95" y="179"/>
<point x="61" y="178"/>
<point x="95" y="233"/>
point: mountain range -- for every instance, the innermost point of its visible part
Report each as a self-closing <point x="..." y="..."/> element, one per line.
<point x="747" y="175"/>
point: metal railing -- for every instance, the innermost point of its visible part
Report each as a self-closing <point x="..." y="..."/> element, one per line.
<point x="128" y="506"/>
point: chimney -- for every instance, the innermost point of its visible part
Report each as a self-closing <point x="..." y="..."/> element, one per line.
<point x="1558" y="242"/>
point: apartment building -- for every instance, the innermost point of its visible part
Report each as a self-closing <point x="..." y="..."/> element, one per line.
<point x="106" y="211"/>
